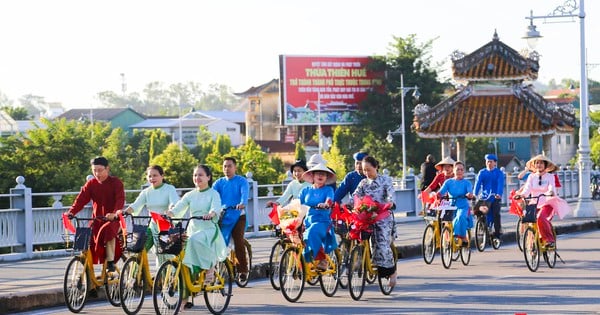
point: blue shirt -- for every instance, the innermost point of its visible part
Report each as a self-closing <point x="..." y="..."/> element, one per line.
<point x="489" y="183"/>
<point x="348" y="185"/>
<point x="457" y="188"/>
<point x="233" y="191"/>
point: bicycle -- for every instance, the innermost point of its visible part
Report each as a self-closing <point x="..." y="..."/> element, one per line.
<point x="533" y="244"/>
<point x="450" y="248"/>
<point x="232" y="257"/>
<point x="483" y="230"/>
<point x="173" y="277"/>
<point x="431" y="235"/>
<point x="294" y="272"/>
<point x="340" y="219"/>
<point x="361" y="266"/>
<point x="80" y="277"/>
<point x="135" y="276"/>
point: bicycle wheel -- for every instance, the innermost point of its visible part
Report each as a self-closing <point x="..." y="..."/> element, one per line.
<point x="291" y="274"/>
<point x="384" y="282"/>
<point x="446" y="247"/>
<point x="550" y="253"/>
<point x="356" y="272"/>
<point x="520" y="231"/>
<point x="345" y="257"/>
<point x="495" y="240"/>
<point x="531" y="250"/>
<point x="167" y="290"/>
<point x="480" y="233"/>
<point x="217" y="295"/>
<point x="465" y="253"/>
<point x="329" y="279"/>
<point x="131" y="285"/>
<point x="76" y="284"/>
<point x="111" y="285"/>
<point x="248" y="251"/>
<point x="274" y="259"/>
<point x="428" y="244"/>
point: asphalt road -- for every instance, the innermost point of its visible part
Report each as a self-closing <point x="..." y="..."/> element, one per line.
<point x="494" y="282"/>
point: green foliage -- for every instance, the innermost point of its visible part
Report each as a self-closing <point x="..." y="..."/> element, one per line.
<point x="16" y="113"/>
<point x="299" y="152"/>
<point x="478" y="148"/>
<point x="279" y="166"/>
<point x="336" y="161"/>
<point x="177" y="164"/>
<point x="348" y="140"/>
<point x="222" y="145"/>
<point x="204" y="144"/>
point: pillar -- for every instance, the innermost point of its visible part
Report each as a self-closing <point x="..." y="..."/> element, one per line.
<point x="461" y="149"/>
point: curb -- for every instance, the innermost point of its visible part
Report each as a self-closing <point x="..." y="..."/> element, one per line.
<point x="54" y="297"/>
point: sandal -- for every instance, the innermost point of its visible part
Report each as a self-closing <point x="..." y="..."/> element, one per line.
<point x="209" y="276"/>
<point x="188" y="305"/>
<point x="322" y="265"/>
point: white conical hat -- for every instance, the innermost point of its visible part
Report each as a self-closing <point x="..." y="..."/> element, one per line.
<point x="308" y="175"/>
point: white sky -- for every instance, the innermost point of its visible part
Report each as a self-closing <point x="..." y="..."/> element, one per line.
<point x="67" y="51"/>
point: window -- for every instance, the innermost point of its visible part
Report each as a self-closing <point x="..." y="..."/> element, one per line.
<point x="568" y="140"/>
<point x="558" y="140"/>
<point x="511" y="146"/>
<point x="229" y="129"/>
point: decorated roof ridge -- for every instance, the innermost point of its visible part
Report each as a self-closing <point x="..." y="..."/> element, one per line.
<point x="266" y="87"/>
<point x="426" y="116"/>
<point x="514" y="66"/>
<point x="547" y="113"/>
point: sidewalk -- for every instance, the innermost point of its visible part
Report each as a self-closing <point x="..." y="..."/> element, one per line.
<point x="30" y="284"/>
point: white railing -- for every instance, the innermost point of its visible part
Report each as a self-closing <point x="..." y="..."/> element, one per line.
<point x="22" y="226"/>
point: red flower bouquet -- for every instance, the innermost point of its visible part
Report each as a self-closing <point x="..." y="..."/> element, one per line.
<point x="365" y="213"/>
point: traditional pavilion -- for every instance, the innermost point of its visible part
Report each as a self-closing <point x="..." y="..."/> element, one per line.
<point x="496" y="99"/>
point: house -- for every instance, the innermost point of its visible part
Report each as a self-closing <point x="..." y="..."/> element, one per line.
<point x="189" y="125"/>
<point x="117" y="117"/>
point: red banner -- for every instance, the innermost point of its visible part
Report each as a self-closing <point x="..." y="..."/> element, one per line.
<point x="325" y="90"/>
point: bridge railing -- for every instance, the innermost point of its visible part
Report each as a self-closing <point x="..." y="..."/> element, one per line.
<point x="24" y="227"/>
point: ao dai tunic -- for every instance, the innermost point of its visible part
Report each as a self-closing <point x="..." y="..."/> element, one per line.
<point x="292" y="191"/>
<point x="156" y="200"/>
<point x="458" y="188"/>
<point x="319" y="233"/>
<point x="205" y="245"/>
<point x="381" y="190"/>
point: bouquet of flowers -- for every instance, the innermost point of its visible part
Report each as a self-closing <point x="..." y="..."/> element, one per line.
<point x="516" y="206"/>
<point x="290" y="217"/>
<point x="365" y="213"/>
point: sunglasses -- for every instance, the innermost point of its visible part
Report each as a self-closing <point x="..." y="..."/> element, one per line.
<point x="540" y="181"/>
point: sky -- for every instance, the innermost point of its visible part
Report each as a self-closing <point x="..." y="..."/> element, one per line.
<point x="68" y="51"/>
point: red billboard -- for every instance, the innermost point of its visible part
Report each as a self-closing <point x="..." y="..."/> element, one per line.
<point x="325" y="89"/>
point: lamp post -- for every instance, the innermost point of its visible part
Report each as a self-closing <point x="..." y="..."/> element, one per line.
<point x="584" y="206"/>
<point x="402" y="130"/>
<point x="307" y="106"/>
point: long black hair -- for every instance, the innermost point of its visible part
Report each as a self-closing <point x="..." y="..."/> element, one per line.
<point x="207" y="171"/>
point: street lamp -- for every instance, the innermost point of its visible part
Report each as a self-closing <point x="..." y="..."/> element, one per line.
<point x="568" y="9"/>
<point x="307" y="106"/>
<point x="416" y="94"/>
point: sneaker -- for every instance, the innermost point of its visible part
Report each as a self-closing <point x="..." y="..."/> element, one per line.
<point x="243" y="276"/>
<point x="110" y="266"/>
<point x="188" y="305"/>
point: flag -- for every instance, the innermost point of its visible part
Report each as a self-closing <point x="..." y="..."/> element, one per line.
<point x="274" y="215"/>
<point x="67" y="223"/>
<point x="163" y="224"/>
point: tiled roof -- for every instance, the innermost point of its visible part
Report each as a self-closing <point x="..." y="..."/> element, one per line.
<point x="269" y="87"/>
<point x="483" y="114"/>
<point x="101" y="114"/>
<point x="494" y="61"/>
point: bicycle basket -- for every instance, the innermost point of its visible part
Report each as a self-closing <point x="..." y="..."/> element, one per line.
<point x="137" y="238"/>
<point x="529" y="214"/>
<point x="170" y="242"/>
<point x="481" y="207"/>
<point x="448" y="215"/>
<point x="340" y="227"/>
<point x="82" y="238"/>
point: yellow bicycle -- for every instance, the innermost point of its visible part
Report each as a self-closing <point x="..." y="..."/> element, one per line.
<point x="80" y="277"/>
<point x="452" y="248"/>
<point x="174" y="280"/>
<point x="136" y="276"/>
<point x="432" y="235"/>
<point x="294" y="272"/>
<point x="361" y="267"/>
<point x="533" y="245"/>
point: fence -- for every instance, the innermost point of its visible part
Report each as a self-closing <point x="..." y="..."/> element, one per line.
<point x="22" y="227"/>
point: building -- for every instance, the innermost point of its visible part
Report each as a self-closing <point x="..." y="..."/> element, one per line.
<point x="262" y="108"/>
<point x="117" y="117"/>
<point x="497" y="100"/>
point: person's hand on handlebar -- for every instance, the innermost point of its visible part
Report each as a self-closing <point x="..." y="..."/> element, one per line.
<point x="240" y="206"/>
<point x="210" y="215"/>
<point x="271" y="203"/>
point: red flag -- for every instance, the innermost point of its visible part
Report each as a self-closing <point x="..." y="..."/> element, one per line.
<point x="67" y="223"/>
<point x="163" y="224"/>
<point x="516" y="207"/>
<point x="122" y="221"/>
<point x="427" y="198"/>
<point x="274" y="215"/>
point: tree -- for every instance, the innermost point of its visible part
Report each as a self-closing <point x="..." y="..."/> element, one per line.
<point x="178" y="165"/>
<point x="299" y="152"/>
<point x="204" y="144"/>
<point x="16" y="113"/>
<point x="382" y="112"/>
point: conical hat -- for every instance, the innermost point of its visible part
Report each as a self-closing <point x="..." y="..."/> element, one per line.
<point x="446" y="161"/>
<point x="550" y="166"/>
<point x="307" y="176"/>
